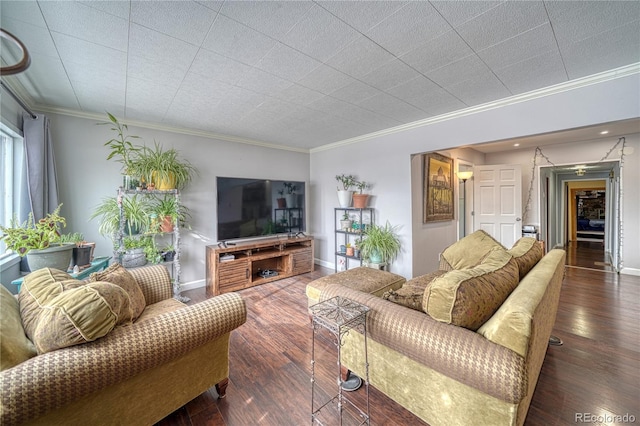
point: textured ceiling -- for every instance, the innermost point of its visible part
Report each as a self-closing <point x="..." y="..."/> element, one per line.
<point x="307" y="73"/>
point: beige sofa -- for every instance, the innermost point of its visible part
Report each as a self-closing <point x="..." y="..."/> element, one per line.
<point x="447" y="374"/>
<point x="136" y="374"/>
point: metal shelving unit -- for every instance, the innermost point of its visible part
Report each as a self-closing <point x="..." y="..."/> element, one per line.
<point x="175" y="235"/>
<point x="363" y="217"/>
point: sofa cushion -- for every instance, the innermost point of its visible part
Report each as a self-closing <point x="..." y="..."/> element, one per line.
<point x="38" y="288"/>
<point x="118" y="275"/>
<point x="468" y="251"/>
<point x="14" y="345"/>
<point x="469" y="297"/>
<point x="81" y="315"/>
<point x="527" y="252"/>
<point x="412" y="292"/>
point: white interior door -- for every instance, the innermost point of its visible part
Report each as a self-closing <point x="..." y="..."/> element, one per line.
<point x="498" y="202"/>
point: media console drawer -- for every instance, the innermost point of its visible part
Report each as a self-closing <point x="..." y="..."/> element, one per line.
<point x="257" y="262"/>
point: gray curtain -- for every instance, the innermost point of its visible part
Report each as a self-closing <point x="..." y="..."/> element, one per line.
<point x="39" y="178"/>
<point x="39" y="182"/>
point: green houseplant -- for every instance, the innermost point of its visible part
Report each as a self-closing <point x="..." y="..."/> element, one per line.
<point x="123" y="150"/>
<point x="345" y="194"/>
<point x="169" y="213"/>
<point x="381" y="243"/>
<point x="136" y="212"/>
<point x="163" y="168"/>
<point x="39" y="241"/>
<point x="360" y="199"/>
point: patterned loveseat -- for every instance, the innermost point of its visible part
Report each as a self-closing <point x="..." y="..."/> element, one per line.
<point x="434" y="346"/>
<point x="138" y="373"/>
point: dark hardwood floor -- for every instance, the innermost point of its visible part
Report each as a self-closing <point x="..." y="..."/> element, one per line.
<point x="595" y="371"/>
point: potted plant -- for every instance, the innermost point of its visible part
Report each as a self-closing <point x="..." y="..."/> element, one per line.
<point x="381" y="243"/>
<point x="82" y="252"/>
<point x="282" y="202"/>
<point x="135" y="211"/>
<point x="345" y="194"/>
<point x="134" y="252"/>
<point x="124" y="151"/>
<point x="169" y="213"/>
<point x="290" y="195"/>
<point x="39" y="241"/>
<point x="345" y="222"/>
<point x="163" y="169"/>
<point x="360" y="199"/>
<point x="168" y="253"/>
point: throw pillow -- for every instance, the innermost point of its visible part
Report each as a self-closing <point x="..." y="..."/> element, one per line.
<point x="412" y="292"/>
<point x="527" y="252"/>
<point x="118" y="275"/>
<point x="469" y="297"/>
<point x="81" y="315"/>
<point x="37" y="289"/>
<point x="15" y="348"/>
<point x="468" y="251"/>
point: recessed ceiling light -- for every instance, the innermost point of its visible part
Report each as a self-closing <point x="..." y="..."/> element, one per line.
<point x="604" y="132"/>
<point x="516" y="144"/>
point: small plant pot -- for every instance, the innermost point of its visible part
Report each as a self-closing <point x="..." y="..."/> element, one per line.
<point x="81" y="256"/>
<point x="134" y="258"/>
<point x="345" y="225"/>
<point x="343" y="249"/>
<point x="282" y="203"/>
<point x="350" y="251"/>
<point x="360" y="200"/>
<point x="167" y="224"/>
<point x="344" y="198"/>
<point x="291" y="200"/>
<point x="168" y="256"/>
<point x="56" y="256"/>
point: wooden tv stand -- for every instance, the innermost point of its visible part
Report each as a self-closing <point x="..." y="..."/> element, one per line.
<point x="287" y="256"/>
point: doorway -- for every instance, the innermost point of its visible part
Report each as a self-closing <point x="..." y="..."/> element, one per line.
<point x="580" y="213"/>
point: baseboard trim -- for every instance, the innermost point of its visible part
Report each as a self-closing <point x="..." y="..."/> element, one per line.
<point x="192" y="285"/>
<point x="324" y="263"/>
<point x="630" y="271"/>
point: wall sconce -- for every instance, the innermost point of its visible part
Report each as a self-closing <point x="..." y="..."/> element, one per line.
<point x="464" y="177"/>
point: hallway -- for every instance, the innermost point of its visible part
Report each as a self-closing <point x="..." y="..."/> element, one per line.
<point x="587" y="255"/>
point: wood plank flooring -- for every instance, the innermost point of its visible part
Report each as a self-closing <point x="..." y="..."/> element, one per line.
<point x="596" y="371"/>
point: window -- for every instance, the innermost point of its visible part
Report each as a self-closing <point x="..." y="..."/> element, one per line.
<point x="11" y="161"/>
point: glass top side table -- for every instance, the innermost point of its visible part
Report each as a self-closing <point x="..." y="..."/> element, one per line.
<point x="339" y="315"/>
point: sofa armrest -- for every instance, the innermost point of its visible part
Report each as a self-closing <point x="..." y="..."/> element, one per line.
<point x="51" y="380"/>
<point x="454" y="351"/>
<point x="154" y="281"/>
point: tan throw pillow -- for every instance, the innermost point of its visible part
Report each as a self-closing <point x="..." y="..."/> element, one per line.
<point x="469" y="297"/>
<point x="468" y="251"/>
<point x="15" y="348"/>
<point x="412" y="292"/>
<point x="527" y="252"/>
<point x="117" y="274"/>
<point x="37" y="289"/>
<point x="81" y="315"/>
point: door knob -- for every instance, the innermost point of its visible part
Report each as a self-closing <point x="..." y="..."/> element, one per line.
<point x="518" y="219"/>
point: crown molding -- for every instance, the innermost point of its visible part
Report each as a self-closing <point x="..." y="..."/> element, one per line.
<point x="172" y="129"/>
<point x="613" y="74"/>
<point x="512" y="100"/>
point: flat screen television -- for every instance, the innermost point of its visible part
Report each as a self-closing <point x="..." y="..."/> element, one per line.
<point x="249" y="208"/>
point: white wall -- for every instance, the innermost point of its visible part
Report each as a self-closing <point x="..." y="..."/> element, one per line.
<point x="86" y="177"/>
<point x="386" y="159"/>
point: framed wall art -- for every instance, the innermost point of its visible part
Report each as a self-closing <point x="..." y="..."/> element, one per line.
<point x="438" y="188"/>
